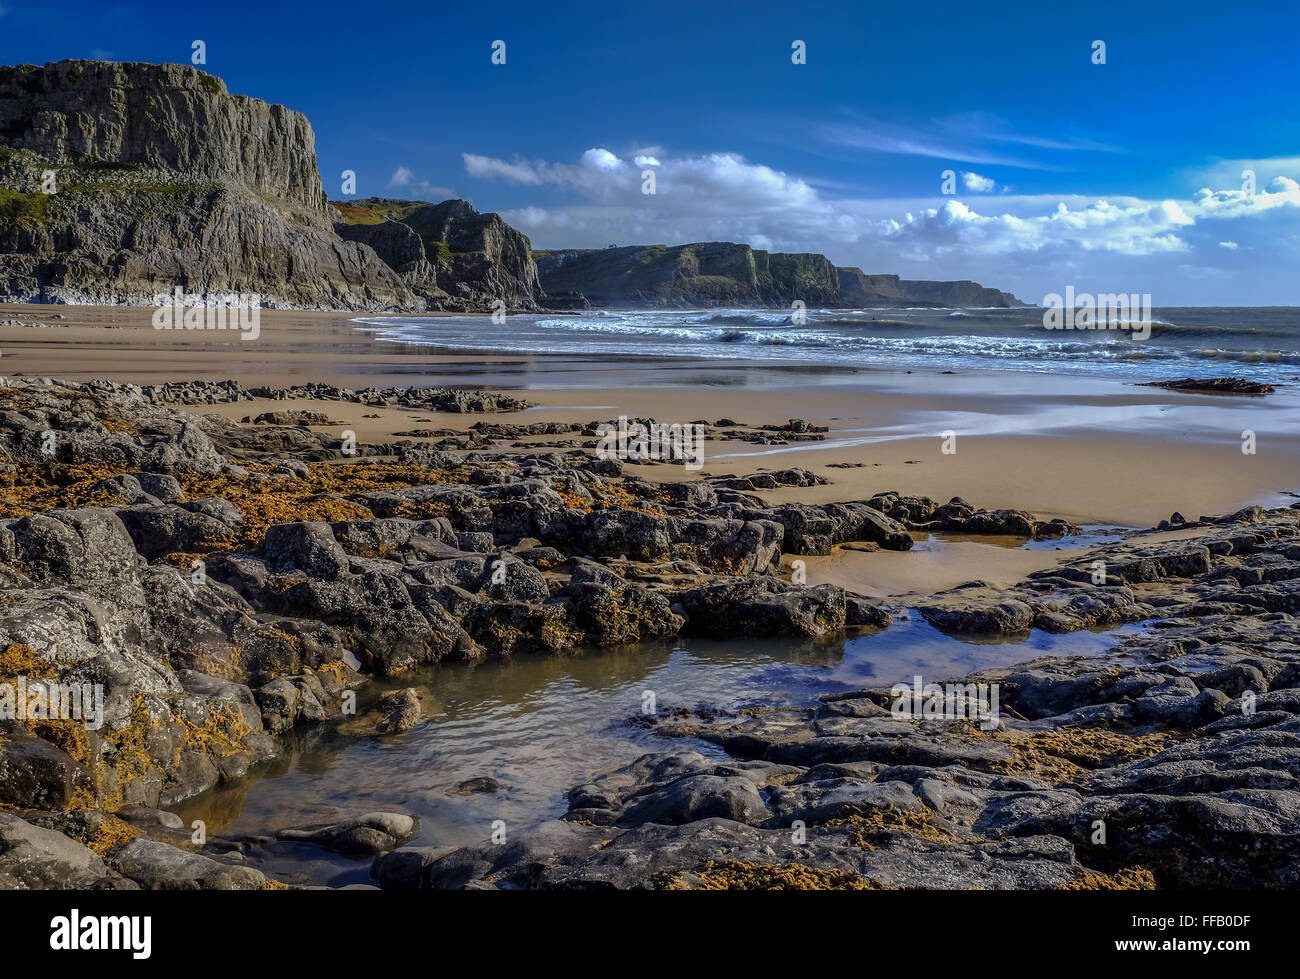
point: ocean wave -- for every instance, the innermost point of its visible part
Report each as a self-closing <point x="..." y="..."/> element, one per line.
<point x="1268" y="345"/>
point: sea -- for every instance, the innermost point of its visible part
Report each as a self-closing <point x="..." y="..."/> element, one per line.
<point x="1262" y="343"/>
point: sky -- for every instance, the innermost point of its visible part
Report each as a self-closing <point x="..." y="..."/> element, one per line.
<point x="1122" y="176"/>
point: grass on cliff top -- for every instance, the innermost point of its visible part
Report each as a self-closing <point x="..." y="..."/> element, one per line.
<point x="375" y="210"/>
<point x="28" y="211"/>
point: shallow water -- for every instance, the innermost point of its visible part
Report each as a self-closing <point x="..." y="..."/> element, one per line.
<point x="540" y="726"/>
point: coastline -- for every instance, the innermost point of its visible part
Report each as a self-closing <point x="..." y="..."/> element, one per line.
<point x="1094" y="451"/>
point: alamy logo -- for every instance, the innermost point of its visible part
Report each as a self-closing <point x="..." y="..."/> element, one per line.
<point x="101" y="932"/>
<point x="39" y="700"/>
<point x="637" y="442"/>
<point x="179" y="310"/>
<point x="1108" y="311"/>
<point x="947" y="701"/>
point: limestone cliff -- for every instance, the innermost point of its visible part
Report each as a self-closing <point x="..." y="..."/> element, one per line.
<point x="449" y="252"/>
<point x="714" y="273"/>
<point x="859" y="289"/>
<point x="720" y="273"/>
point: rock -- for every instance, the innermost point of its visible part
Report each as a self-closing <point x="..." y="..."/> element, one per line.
<point x="406" y="869"/>
<point x="1214" y="385"/>
<point x="400" y="710"/>
<point x="372" y="833"/>
<point x="159" y="866"/>
<point x="34" y="772"/>
<point x="977" y="609"/>
<point x="762" y="607"/>
<point x="474" y="786"/>
<point x="858" y="612"/>
<point x="32" y="858"/>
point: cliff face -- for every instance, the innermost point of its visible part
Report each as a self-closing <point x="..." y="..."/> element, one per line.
<point x="448" y="252"/>
<point x="721" y="273"/>
<point x="165" y="117"/>
<point x="961" y="293"/>
<point x="164" y="179"/>
<point x="857" y="288"/>
<point x="715" y="273"/>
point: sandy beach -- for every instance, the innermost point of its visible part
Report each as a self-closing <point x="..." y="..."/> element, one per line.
<point x="1090" y="451"/>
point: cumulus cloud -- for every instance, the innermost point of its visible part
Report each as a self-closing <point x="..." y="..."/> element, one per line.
<point x="1232" y="245"/>
<point x="977" y="184"/>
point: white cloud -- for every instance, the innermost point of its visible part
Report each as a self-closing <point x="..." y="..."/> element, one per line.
<point x="405" y="180"/>
<point x="1232" y="245"/>
<point x="1026" y="240"/>
<point x="489" y="168"/>
<point x="977" y="184"/>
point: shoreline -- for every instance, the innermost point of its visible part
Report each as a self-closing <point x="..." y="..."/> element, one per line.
<point x="1093" y="451"/>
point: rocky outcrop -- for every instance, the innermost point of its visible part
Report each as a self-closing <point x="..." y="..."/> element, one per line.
<point x="963" y="292"/>
<point x="1168" y="762"/>
<point x="449" y="253"/>
<point x="162" y="178"/>
<point x="1213" y="385"/>
<point x="221" y="605"/>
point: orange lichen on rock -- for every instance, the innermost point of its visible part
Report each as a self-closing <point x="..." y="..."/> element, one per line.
<point x="1125" y="879"/>
<point x="1072" y="752"/>
<point x="736" y="875"/>
<point x="34" y="489"/>
<point x="868" y="829"/>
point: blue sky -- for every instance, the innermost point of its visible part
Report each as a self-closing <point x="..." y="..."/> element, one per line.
<point x="1117" y="177"/>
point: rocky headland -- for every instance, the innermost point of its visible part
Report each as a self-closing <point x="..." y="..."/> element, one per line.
<point x="720" y="273"/>
<point x="227" y="584"/>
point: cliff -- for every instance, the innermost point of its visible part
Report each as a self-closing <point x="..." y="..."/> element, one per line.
<point x="726" y="274"/>
<point x="448" y="252"/>
<point x="164" y="179"/>
<point x="715" y="273"/>
<point x="857" y="288"/>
